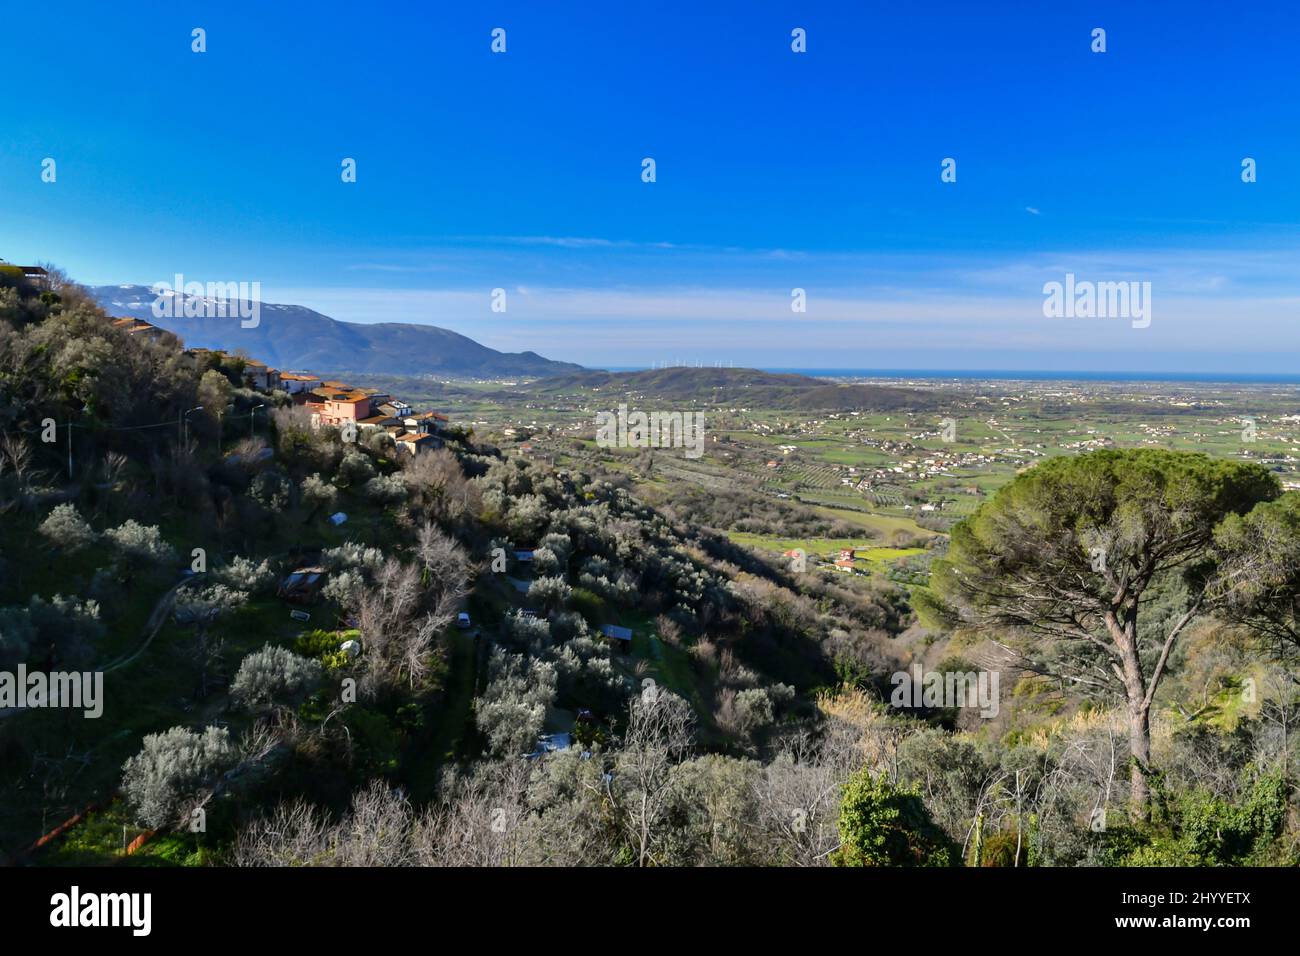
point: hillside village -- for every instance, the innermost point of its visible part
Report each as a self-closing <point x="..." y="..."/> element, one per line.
<point x="356" y="411"/>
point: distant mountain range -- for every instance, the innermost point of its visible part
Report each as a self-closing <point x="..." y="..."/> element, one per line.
<point x="732" y="386"/>
<point x="295" y="337"/>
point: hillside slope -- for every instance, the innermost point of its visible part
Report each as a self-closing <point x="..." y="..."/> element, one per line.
<point x="733" y="385"/>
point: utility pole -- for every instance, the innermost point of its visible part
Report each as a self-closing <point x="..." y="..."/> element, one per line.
<point x="186" y="419"/>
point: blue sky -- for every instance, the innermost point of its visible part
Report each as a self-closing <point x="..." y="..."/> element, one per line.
<point x="775" y="170"/>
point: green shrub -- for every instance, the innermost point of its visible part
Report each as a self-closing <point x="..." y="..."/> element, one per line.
<point x="882" y="825"/>
<point x="590" y="605"/>
<point x="324" y="646"/>
<point x="378" y="745"/>
<point x="1201" y="829"/>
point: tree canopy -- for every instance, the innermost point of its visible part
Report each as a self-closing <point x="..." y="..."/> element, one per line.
<point x="1061" y="561"/>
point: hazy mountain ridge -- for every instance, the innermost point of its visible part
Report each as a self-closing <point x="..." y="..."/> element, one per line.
<point x="296" y="337"/>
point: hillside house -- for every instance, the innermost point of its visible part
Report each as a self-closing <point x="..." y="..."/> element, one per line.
<point x="338" y="405"/>
<point x="34" y="274"/>
<point x="424" y="423"/>
<point x="139" y="327"/>
<point x="380" y="420"/>
<point x="296" y="382"/>
<point x="415" y="443"/>
<point x="260" y="376"/>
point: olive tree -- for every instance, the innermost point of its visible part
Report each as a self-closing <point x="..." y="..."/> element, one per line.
<point x="171" y="768"/>
<point x="512" y="710"/>
<point x="139" y="545"/>
<point x="318" y="493"/>
<point x="214" y="395"/>
<point x="200" y="609"/>
<point x="66" y="528"/>
<point x="243" y="574"/>
<point x="274" y="676"/>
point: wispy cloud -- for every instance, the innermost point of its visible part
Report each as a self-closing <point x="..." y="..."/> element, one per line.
<point x="629" y="326"/>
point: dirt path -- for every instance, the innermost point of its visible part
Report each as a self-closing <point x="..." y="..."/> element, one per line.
<point x="152" y="626"/>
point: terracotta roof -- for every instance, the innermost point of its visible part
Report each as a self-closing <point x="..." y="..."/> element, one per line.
<point x="336" y="395"/>
<point x="131" y="326"/>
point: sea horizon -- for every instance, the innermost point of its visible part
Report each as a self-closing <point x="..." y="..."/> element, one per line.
<point x="1037" y="375"/>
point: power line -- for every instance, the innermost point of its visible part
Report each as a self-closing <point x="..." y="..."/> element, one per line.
<point x="108" y="428"/>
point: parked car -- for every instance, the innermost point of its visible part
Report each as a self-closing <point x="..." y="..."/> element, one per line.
<point x="462" y="620"/>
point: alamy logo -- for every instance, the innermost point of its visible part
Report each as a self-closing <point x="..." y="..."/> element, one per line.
<point x="73" y="909"/>
<point x="215" y="300"/>
<point x="946" y="689"/>
<point x="624" y="429"/>
<point x="36" y="690"/>
<point x="1074" y="299"/>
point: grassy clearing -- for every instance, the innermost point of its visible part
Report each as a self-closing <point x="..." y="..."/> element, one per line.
<point x="866" y="554"/>
<point x="880" y="525"/>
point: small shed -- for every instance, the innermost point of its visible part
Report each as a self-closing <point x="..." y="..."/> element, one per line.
<point x="302" y="585"/>
<point x="621" y="636"/>
<point x="550" y="743"/>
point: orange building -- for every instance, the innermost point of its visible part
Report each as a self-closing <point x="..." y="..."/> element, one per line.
<point x="337" y="407"/>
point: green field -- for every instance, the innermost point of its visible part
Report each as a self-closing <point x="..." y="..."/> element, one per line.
<point x="866" y="555"/>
